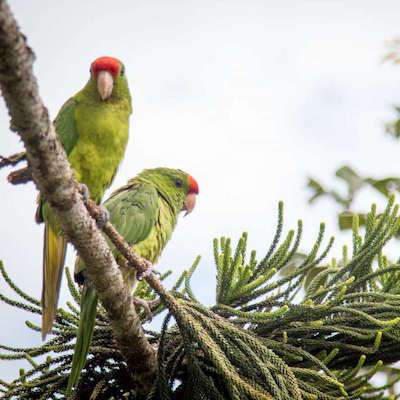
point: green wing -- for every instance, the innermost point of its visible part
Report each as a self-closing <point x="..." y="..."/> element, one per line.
<point x="133" y="211"/>
<point x="65" y="125"/>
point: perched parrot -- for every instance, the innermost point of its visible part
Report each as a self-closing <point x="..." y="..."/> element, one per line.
<point x="93" y="127"/>
<point x="144" y="212"/>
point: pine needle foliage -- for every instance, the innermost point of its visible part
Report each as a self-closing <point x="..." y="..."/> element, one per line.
<point x="318" y="330"/>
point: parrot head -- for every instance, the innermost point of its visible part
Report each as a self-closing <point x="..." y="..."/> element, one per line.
<point x="177" y="187"/>
<point x="190" y="199"/>
<point x="107" y="75"/>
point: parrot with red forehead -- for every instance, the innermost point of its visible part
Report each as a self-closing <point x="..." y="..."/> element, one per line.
<point x="145" y="213"/>
<point x="93" y="128"/>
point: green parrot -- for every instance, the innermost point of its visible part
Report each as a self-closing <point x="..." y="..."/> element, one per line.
<point x="93" y="128"/>
<point x="144" y="212"/>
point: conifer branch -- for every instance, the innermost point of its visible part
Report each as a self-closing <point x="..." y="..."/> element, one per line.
<point x="325" y="346"/>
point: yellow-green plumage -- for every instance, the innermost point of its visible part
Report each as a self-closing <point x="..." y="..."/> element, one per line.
<point x="103" y="135"/>
<point x="94" y="133"/>
<point x="145" y="213"/>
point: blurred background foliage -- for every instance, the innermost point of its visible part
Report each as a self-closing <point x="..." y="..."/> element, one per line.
<point x="353" y="181"/>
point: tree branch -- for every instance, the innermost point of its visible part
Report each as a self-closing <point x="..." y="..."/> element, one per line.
<point x="12" y="160"/>
<point x="54" y="178"/>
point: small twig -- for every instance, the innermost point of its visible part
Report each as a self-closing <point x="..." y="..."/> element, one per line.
<point x="137" y="262"/>
<point x="12" y="160"/>
<point x="20" y="176"/>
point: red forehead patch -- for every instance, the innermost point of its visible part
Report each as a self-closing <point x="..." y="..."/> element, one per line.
<point x="110" y="64"/>
<point x="193" y="186"/>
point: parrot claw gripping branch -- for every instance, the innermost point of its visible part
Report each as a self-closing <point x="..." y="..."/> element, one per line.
<point x="149" y="270"/>
<point x="84" y="192"/>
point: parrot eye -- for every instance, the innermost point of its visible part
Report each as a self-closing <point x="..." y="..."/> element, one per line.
<point x="122" y="73"/>
<point x="178" y="183"/>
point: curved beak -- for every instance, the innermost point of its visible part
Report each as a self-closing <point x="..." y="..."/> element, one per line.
<point x="105" y="83"/>
<point x="189" y="203"/>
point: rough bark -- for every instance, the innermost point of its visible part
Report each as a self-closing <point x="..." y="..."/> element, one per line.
<point x="54" y="178"/>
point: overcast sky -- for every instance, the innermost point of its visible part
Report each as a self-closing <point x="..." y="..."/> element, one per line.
<point x="250" y="97"/>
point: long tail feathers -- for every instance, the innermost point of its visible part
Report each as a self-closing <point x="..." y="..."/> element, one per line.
<point x="54" y="250"/>
<point x="84" y="335"/>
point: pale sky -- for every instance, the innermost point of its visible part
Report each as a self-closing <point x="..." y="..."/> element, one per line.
<point x="250" y="97"/>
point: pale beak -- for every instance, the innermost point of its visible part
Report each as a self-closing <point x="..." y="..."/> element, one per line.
<point x="189" y="203"/>
<point x="105" y="83"/>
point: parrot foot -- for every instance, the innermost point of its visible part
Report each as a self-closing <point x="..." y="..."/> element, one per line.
<point x="103" y="216"/>
<point x="147" y="305"/>
<point x="149" y="270"/>
<point x="84" y="192"/>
